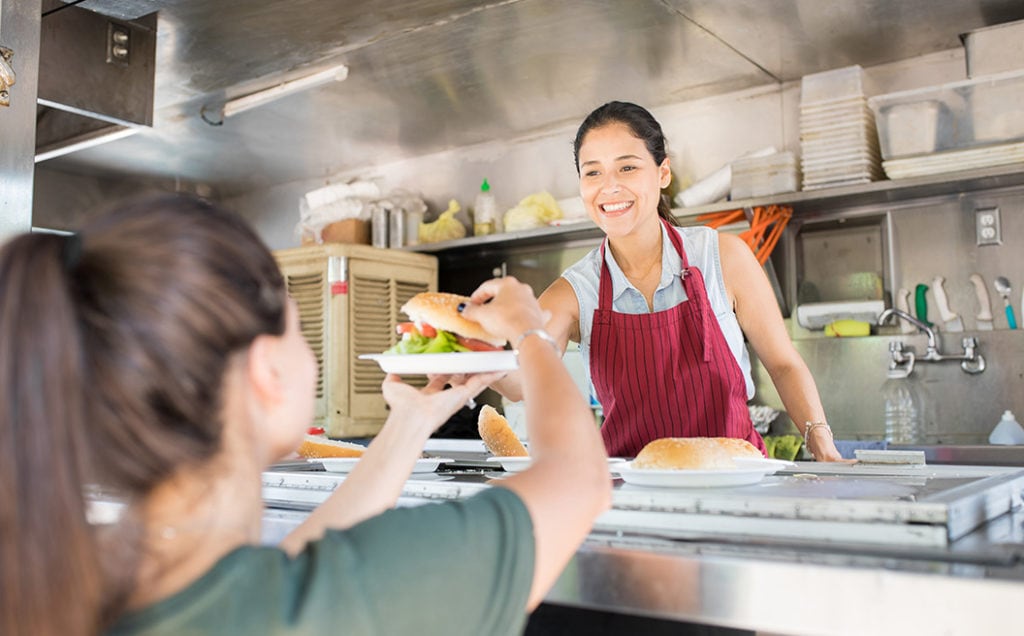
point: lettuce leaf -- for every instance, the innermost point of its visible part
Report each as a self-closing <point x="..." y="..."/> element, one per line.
<point x="443" y="342"/>
<point x="785" y="447"/>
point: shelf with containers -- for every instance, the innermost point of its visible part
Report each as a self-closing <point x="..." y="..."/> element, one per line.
<point x="805" y="204"/>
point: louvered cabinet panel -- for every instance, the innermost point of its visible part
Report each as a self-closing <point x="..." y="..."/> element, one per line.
<point x="349" y="300"/>
<point x="307" y="284"/>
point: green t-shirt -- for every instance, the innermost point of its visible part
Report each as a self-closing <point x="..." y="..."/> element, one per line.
<point x="452" y="568"/>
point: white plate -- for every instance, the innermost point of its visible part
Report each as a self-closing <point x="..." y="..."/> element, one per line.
<point x="696" y="478"/>
<point x="766" y="463"/>
<point x="464" y="362"/>
<point x="346" y="464"/>
<point x="519" y="464"/>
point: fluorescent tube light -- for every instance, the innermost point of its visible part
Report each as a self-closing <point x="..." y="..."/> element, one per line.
<point x="259" y="98"/>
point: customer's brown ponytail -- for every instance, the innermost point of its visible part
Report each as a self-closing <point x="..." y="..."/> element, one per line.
<point x="50" y="579"/>
<point x="113" y="349"/>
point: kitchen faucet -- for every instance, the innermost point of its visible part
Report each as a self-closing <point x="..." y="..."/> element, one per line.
<point x="902" y="361"/>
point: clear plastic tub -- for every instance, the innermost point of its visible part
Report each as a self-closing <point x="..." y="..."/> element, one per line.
<point x="763" y="185"/>
<point x="995" y="49"/>
<point x="966" y="114"/>
<point x="832" y="86"/>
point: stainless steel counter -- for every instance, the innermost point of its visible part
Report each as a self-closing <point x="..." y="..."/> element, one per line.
<point x="977" y="455"/>
<point x="702" y="555"/>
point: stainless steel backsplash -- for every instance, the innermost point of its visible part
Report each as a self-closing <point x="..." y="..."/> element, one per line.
<point x="921" y="239"/>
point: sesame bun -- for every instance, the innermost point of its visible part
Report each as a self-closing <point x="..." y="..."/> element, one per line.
<point x="498" y="436"/>
<point x="440" y="310"/>
<point x="701" y="453"/>
<point x="317" y="446"/>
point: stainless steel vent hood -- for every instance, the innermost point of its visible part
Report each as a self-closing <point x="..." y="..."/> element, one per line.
<point x="96" y="78"/>
<point x="427" y="76"/>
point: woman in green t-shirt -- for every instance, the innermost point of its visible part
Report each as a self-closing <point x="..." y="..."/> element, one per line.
<point x="155" y="355"/>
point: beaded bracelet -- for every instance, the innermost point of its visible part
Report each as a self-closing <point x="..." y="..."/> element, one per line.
<point x="810" y="426"/>
<point x="540" y="333"/>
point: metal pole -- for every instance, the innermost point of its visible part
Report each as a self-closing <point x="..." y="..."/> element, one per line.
<point x="19" y="45"/>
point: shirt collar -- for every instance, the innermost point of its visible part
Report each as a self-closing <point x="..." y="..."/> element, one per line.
<point x="671" y="266"/>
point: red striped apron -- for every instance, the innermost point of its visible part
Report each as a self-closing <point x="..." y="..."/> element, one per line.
<point x="666" y="373"/>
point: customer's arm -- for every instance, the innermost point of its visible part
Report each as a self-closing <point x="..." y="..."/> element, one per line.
<point x="561" y="310"/>
<point x="375" y="483"/>
<point x="567" y="485"/>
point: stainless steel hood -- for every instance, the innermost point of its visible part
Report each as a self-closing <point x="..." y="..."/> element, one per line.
<point x="95" y="78"/>
<point x="430" y="75"/>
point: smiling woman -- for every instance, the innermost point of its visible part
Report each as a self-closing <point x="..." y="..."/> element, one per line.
<point x="662" y="312"/>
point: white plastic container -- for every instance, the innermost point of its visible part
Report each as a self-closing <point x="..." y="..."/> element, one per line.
<point x="832" y="86"/>
<point x="994" y="49"/>
<point x="912" y="128"/>
<point x="966" y="114"/>
<point x="1007" y="432"/>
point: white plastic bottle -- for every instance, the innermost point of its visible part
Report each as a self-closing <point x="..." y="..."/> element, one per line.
<point x="1007" y="431"/>
<point x="902" y="410"/>
<point x="485" y="211"/>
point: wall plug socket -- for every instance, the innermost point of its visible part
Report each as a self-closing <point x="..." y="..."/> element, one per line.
<point x="987" y="228"/>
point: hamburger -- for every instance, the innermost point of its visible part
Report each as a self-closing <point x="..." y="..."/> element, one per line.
<point x="694" y="453"/>
<point x="437" y="326"/>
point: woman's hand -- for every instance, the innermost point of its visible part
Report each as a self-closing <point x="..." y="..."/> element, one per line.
<point x="821" y="446"/>
<point x="432" y="405"/>
<point x="506" y="307"/>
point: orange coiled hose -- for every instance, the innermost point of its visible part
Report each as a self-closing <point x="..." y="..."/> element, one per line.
<point x="766" y="226"/>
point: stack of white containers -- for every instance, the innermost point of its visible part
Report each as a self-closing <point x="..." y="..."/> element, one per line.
<point x="837" y="130"/>
<point x="761" y="176"/>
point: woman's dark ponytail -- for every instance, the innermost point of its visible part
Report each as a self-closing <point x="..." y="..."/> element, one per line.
<point x="114" y="346"/>
<point x="50" y="576"/>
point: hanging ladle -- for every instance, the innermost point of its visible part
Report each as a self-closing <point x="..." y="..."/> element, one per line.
<point x="1003" y="287"/>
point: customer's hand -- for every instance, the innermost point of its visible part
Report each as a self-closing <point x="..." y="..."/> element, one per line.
<point x="505" y="307"/>
<point x="432" y="405"/>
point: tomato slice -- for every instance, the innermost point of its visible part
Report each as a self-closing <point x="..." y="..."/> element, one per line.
<point x="428" y="331"/>
<point x="406" y="327"/>
<point x="477" y="345"/>
<point x="315" y="430"/>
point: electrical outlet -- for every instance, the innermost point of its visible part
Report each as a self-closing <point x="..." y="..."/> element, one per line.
<point x="119" y="40"/>
<point x="986" y="226"/>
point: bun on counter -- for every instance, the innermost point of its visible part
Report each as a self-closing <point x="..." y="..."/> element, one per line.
<point x="498" y="436"/>
<point x="700" y="453"/>
<point x="317" y="446"/>
<point x="440" y="310"/>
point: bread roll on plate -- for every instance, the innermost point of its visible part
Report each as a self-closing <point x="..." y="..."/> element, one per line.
<point x="498" y="436"/>
<point x="694" y="453"/>
<point x="318" y="446"/>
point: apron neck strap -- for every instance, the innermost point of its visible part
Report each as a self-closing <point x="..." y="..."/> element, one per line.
<point x="605" y="287"/>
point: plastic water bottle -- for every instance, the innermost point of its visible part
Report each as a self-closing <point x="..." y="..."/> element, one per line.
<point x="902" y="410"/>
